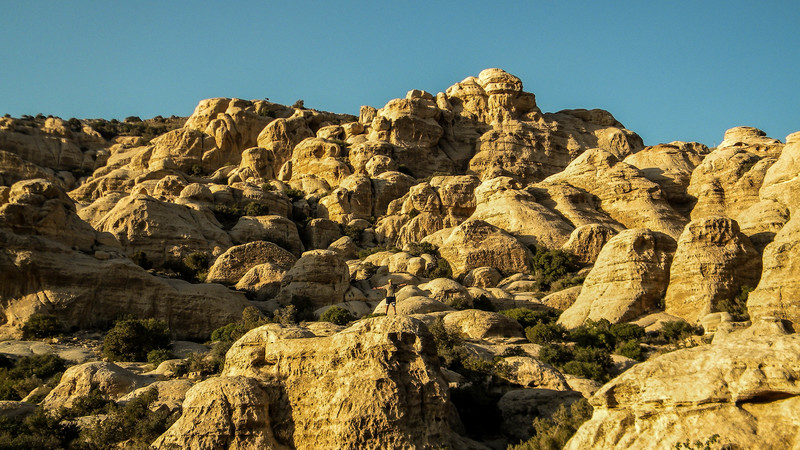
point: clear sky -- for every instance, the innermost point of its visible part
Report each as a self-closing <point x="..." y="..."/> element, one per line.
<point x="668" y="70"/>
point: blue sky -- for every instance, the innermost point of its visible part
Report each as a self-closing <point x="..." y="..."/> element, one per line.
<point x="670" y="70"/>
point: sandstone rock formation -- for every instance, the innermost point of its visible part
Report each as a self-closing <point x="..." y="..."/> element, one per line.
<point x="476" y="244"/>
<point x="319" y="277"/>
<point x="388" y="391"/>
<point x="743" y="389"/>
<point x="712" y="263"/>
<point x="628" y="279"/>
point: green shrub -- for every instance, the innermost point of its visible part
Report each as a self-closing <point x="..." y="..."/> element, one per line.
<point x="295" y="194"/>
<point x="197" y="261"/>
<point x="552" y="433"/>
<point x="627" y="331"/>
<point x="442" y="270"/>
<point x="585" y="369"/>
<point x="133" y="339"/>
<point x="198" y="171"/>
<point x="483" y="303"/>
<point x="698" y="444"/>
<point x="353" y="233"/>
<point x="29" y="372"/>
<point x="372" y="250"/>
<point x="737" y="306"/>
<point x="631" y="349"/>
<point x="337" y="315"/>
<point x="140" y="259"/>
<point x="227" y="216"/>
<point x="41" y="326"/>
<point x="228" y="333"/>
<point x="552" y="265"/>
<point x="594" y="334"/>
<point x="159" y="355"/>
<point x="529" y="317"/>
<point x="421" y="248"/>
<point x="555" y="354"/>
<point x="256" y="209"/>
<point x="678" y="330"/>
<point x="205" y="364"/>
<point x="544" y="333"/>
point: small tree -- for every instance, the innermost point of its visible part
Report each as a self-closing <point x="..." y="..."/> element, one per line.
<point x="337" y="315"/>
<point x="41" y="326"/>
<point x="133" y="339"/>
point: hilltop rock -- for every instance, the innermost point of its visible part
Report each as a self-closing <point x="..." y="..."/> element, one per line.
<point x="752" y="140"/>
<point x="727" y="182"/>
<point x="743" y="389"/>
<point x="628" y="279"/>
<point x="713" y="261"/>
<point x="375" y="384"/>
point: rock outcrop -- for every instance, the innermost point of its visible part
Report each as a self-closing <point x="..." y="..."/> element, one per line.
<point x="712" y="263"/>
<point x="376" y="384"/>
<point x="743" y="389"/>
<point x="628" y="279"/>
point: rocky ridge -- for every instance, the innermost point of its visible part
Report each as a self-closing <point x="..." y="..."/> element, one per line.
<point x="460" y="196"/>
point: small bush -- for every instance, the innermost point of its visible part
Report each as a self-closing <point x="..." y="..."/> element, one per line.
<point x="295" y="194"/>
<point x="442" y="270"/>
<point x="594" y="334"/>
<point x="631" y="349"/>
<point x="353" y="233"/>
<point x="737" y="306"/>
<point x="337" y="315"/>
<point x="41" y="326"/>
<point x="678" y="330"/>
<point x="159" y="355"/>
<point x="256" y="209"/>
<point x="544" y="333"/>
<point x="529" y="317"/>
<point x="418" y="249"/>
<point x="372" y="250"/>
<point x="555" y="354"/>
<point x="554" y="432"/>
<point x="627" y="331"/>
<point x="593" y="371"/>
<point x="552" y="265"/>
<point x="133" y="339"/>
<point x="483" y="303"/>
<point x="140" y="259"/>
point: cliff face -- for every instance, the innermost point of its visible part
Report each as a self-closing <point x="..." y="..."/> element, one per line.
<point x="258" y="204"/>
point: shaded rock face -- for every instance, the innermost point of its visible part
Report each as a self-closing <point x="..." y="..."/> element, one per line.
<point x="628" y="279"/>
<point x="230" y="266"/>
<point x="712" y="263"/>
<point x="744" y="389"/>
<point x="376" y="384"/>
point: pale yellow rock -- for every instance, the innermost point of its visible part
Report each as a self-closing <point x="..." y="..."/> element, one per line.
<point x="319" y="158"/>
<point x="276" y="229"/>
<point x="230" y="266"/>
<point x="257" y="165"/>
<point x="577" y="206"/>
<point x="476" y="324"/>
<point x="727" y="182"/>
<point x="231" y="412"/>
<point x="778" y="290"/>
<point x="183" y="147"/>
<point x="712" y="263"/>
<point x="320" y="233"/>
<point x="502" y="203"/>
<point x="282" y="135"/>
<point x="351" y="388"/>
<point x="743" y="389"/>
<point x="624" y="193"/>
<point x="171" y="394"/>
<point x="476" y="244"/>
<point x="586" y="241"/>
<point x="111" y="380"/>
<point x="783" y="178"/>
<point x="532" y="373"/>
<point x="447" y="291"/>
<point x="753" y="140"/>
<point x="670" y="166"/>
<point x="262" y="280"/>
<point x="319" y="277"/>
<point x="484" y="277"/>
<point x="627" y="281"/>
<point x="562" y="299"/>
<point x="162" y="230"/>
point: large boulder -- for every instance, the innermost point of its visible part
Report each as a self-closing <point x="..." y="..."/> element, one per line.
<point x="272" y="228"/>
<point x="223" y="412"/>
<point x="319" y="278"/>
<point x="627" y="281"/>
<point x="376" y="384"/>
<point x="230" y="266"/>
<point x="712" y="263"/>
<point x="744" y="389"/>
<point x="476" y="243"/>
<point x="111" y="380"/>
<point x="477" y="324"/>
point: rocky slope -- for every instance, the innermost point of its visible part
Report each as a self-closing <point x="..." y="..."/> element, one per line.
<point x="467" y="197"/>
